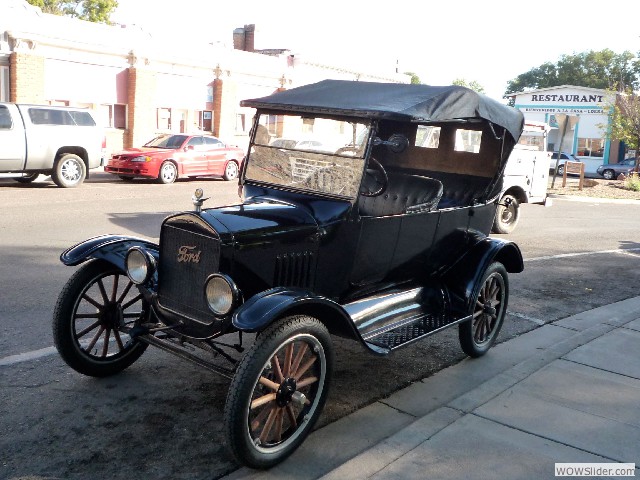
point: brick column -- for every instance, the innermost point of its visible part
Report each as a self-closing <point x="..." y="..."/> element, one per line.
<point x="141" y="107"/>
<point x="280" y="124"/>
<point x="26" y="74"/>
<point x="217" y="105"/>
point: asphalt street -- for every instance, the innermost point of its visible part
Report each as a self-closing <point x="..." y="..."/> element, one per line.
<point x="163" y="416"/>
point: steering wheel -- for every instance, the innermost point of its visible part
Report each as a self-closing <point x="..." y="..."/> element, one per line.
<point x="375" y="180"/>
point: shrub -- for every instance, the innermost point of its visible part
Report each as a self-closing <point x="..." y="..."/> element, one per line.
<point x="632" y="182"/>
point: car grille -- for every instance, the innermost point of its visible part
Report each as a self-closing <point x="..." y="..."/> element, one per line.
<point x="186" y="260"/>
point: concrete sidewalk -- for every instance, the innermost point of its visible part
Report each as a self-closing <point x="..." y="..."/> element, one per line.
<point x="565" y="392"/>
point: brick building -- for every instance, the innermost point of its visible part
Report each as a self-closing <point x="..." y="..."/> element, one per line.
<point x="141" y="85"/>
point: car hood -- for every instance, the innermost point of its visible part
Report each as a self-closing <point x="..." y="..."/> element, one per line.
<point x="131" y="152"/>
<point x="261" y="218"/>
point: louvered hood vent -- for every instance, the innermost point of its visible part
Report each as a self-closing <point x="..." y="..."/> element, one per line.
<point x="294" y="269"/>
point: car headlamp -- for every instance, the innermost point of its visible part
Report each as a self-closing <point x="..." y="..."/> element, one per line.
<point x="139" y="265"/>
<point x="221" y="294"/>
<point x="141" y="158"/>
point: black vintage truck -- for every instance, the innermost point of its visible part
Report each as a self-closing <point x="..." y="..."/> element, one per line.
<point x="370" y="224"/>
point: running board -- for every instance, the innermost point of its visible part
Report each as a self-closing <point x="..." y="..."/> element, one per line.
<point x="406" y="333"/>
<point x="397" y="318"/>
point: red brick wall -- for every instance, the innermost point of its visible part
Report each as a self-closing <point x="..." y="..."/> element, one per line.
<point x="217" y="105"/>
<point x="26" y="73"/>
<point x="141" y="111"/>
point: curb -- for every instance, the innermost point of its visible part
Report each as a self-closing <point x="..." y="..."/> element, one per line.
<point x="575" y="198"/>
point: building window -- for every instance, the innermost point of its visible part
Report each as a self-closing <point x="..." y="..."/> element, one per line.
<point x="113" y="116"/>
<point x="273" y="123"/>
<point x="164" y="119"/>
<point x="4" y="84"/>
<point x="241" y="123"/>
<point x="590" y="147"/>
<point x="307" y="125"/>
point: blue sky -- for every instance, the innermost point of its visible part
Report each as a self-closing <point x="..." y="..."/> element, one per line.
<point x="490" y="42"/>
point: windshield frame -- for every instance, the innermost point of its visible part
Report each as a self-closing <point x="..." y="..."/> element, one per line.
<point x="360" y="156"/>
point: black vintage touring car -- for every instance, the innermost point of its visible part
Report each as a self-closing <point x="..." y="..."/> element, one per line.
<point x="370" y="224"/>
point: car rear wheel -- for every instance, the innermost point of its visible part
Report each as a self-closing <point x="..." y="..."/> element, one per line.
<point x="69" y="171"/>
<point x="609" y="174"/>
<point x="92" y="317"/>
<point x="231" y="171"/>
<point x="507" y="215"/>
<point x="561" y="170"/>
<point x="278" y="391"/>
<point x="168" y="173"/>
<point x="488" y="310"/>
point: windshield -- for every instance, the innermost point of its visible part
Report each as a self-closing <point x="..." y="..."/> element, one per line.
<point x="167" y="141"/>
<point x="309" y="153"/>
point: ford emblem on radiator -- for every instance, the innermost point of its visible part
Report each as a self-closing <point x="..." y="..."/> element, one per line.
<point x="188" y="254"/>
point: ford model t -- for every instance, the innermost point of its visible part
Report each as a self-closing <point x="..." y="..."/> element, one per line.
<point x="365" y="212"/>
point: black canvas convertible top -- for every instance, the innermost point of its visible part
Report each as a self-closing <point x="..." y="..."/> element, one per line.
<point x="393" y="101"/>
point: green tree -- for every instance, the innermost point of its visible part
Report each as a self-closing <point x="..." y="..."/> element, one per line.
<point x="415" y="79"/>
<point x="595" y="69"/>
<point x="624" y="124"/>
<point x="473" y="85"/>
<point x="98" y="11"/>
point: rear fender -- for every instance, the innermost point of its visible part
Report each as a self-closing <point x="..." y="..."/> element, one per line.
<point x="264" y="308"/>
<point x="463" y="278"/>
<point x="112" y="248"/>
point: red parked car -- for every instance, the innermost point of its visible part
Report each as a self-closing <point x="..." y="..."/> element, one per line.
<point x="170" y="156"/>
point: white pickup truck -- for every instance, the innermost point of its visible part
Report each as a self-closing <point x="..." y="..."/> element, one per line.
<point x="526" y="176"/>
<point x="63" y="142"/>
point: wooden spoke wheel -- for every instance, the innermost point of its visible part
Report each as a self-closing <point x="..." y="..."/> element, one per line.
<point x="278" y="391"/>
<point x="488" y="310"/>
<point x="94" y="312"/>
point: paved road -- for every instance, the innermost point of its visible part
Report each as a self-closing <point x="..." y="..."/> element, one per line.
<point x="163" y="416"/>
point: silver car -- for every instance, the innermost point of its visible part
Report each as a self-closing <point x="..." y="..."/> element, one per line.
<point x="564" y="157"/>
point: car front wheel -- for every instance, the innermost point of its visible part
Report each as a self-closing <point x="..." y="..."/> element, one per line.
<point x="92" y="317"/>
<point x="488" y="310"/>
<point x="278" y="391"/>
<point x="168" y="173"/>
<point x="609" y="174"/>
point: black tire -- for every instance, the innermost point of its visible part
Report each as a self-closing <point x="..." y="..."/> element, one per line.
<point x="507" y="215"/>
<point x="69" y="171"/>
<point x="28" y="178"/>
<point x="609" y="174"/>
<point x="168" y="173"/>
<point x="98" y="303"/>
<point x="281" y="417"/>
<point x="560" y="169"/>
<point x="231" y="170"/>
<point x="488" y="309"/>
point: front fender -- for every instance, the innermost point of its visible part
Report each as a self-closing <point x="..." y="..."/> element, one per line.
<point x="112" y="248"/>
<point x="463" y="278"/>
<point x="262" y="309"/>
